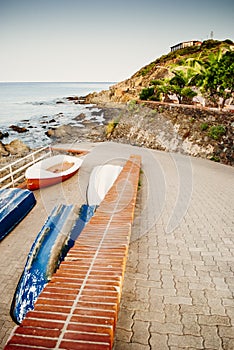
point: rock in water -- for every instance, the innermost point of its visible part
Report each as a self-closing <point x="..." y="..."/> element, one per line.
<point x="3" y="134"/>
<point x="18" y="128"/>
<point x="61" y="131"/>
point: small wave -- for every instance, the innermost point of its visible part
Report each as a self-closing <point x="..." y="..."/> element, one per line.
<point x="46" y="103"/>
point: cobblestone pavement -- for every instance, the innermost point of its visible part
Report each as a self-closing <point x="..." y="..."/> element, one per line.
<point x="178" y="288"/>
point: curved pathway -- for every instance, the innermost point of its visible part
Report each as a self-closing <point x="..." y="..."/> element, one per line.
<point x="178" y="288"/>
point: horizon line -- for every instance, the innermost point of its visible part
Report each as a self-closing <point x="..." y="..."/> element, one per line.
<point x="75" y="82"/>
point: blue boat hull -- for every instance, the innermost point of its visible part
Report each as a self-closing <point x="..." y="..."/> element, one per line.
<point x="15" y="204"/>
<point x="52" y="243"/>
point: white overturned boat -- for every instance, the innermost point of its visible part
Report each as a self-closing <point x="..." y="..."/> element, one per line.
<point x="101" y="180"/>
<point x="51" y="171"/>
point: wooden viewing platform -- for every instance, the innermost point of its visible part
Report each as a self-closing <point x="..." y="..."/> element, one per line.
<point x="78" y="308"/>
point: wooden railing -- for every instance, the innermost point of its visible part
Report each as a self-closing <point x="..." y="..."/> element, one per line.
<point x="12" y="174"/>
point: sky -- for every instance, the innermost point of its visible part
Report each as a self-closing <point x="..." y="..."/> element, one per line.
<point x="100" y="40"/>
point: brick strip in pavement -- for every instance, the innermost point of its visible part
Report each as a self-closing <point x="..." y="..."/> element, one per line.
<point x="78" y="308"/>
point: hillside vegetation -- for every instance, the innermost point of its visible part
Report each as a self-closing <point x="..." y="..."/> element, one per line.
<point x="205" y="73"/>
<point x="206" y="70"/>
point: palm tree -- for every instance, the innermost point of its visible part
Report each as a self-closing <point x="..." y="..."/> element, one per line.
<point x="216" y="79"/>
<point x="182" y="84"/>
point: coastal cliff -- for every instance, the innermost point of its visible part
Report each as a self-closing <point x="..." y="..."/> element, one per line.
<point x="191" y="61"/>
<point x="189" y="128"/>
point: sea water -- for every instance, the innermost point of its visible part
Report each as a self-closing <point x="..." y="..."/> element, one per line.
<point x="29" y="105"/>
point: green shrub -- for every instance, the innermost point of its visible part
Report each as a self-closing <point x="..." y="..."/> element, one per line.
<point x="216" y="131"/>
<point x="210" y="44"/>
<point x="155" y="98"/>
<point x="145" y="70"/>
<point x="111" y="126"/>
<point x="133" y="106"/>
<point x="160" y="109"/>
<point x="204" y="126"/>
<point x="228" y="41"/>
<point x="189" y="50"/>
<point x="215" y="158"/>
<point x="146" y="93"/>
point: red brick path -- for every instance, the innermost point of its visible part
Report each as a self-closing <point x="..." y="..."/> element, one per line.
<point x="78" y="308"/>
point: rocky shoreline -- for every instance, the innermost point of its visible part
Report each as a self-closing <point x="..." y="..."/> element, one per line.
<point x="89" y="125"/>
<point x="167" y="127"/>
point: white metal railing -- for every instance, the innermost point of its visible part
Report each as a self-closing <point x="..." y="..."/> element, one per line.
<point x="28" y="160"/>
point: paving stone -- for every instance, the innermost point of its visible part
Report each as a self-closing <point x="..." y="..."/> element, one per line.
<point x="142" y="267"/>
<point x="177" y="300"/>
<point x="220" y="283"/>
<point x="182" y="289"/>
<point x="123" y="335"/>
<point x="142" y="293"/>
<point x="195" y="309"/>
<point x="230" y="313"/>
<point x="226" y="332"/>
<point x="216" y="307"/>
<point x="198" y="297"/>
<point x="214" y="320"/>
<point x="228" y="344"/>
<point x="211" y="338"/>
<point x="166" y="328"/>
<point x="172" y="314"/>
<point x="164" y="292"/>
<point x="125" y="319"/>
<point x="181" y="348"/>
<point x="185" y="341"/>
<point x="228" y="302"/>
<point x="140" y="332"/>
<point x="156" y="301"/>
<point x="159" y="341"/>
<point x="129" y="285"/>
<point x="164" y="259"/>
<point x="121" y="345"/>
<point x="190" y="324"/>
<point x="149" y="316"/>
<point x="134" y="304"/>
<point x="216" y="294"/>
<point x="168" y="282"/>
<point x="202" y="285"/>
<point x="148" y="284"/>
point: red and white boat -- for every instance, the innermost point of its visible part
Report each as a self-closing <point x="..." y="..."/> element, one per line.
<point x="51" y="171"/>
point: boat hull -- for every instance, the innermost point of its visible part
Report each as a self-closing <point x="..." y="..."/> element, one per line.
<point x="15" y="204"/>
<point x="41" y="175"/>
<point x="101" y="180"/>
<point x="51" y="245"/>
<point x="43" y="259"/>
<point x="35" y="184"/>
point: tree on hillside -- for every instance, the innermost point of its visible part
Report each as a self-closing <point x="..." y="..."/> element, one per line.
<point x="217" y="80"/>
<point x="181" y="85"/>
<point x="161" y="89"/>
<point x="178" y="85"/>
<point x="212" y="76"/>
